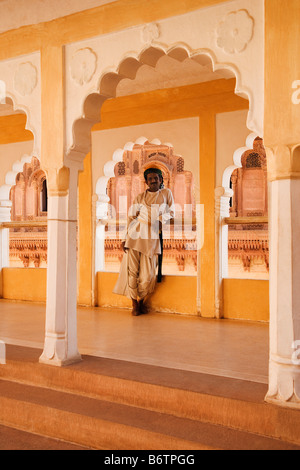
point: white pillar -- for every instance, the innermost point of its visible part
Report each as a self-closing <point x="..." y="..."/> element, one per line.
<point x="101" y="218"/>
<point x="61" y="310"/>
<point x="222" y="198"/>
<point x="284" y="226"/>
<point x="5" y="209"/>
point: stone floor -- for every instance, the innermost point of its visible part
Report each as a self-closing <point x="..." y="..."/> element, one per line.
<point x="236" y="349"/>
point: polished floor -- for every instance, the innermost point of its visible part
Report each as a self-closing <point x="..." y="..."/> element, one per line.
<point x="228" y="348"/>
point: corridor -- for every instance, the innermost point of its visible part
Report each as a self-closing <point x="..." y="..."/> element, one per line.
<point x="236" y="349"/>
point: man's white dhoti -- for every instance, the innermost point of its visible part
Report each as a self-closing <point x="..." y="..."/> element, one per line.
<point x="137" y="277"/>
<point x="141" y="274"/>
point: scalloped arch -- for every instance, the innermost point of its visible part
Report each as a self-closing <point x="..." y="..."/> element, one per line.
<point x="10" y="177"/>
<point x="127" y="69"/>
<point x="117" y="157"/>
<point x="12" y="100"/>
<point x="237" y="160"/>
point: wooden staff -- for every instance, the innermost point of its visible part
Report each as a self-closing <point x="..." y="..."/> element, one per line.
<point x="160" y="258"/>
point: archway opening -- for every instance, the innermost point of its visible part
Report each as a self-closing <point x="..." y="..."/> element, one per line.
<point x="175" y="66"/>
<point x="180" y="238"/>
<point x="248" y="242"/>
<point x="28" y="241"/>
<point x="16" y="146"/>
<point x="201" y="83"/>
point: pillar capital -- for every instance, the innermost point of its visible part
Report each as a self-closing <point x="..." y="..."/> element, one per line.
<point x="5" y="211"/>
<point x="283" y="162"/>
<point x="222" y="197"/>
<point x="58" y="180"/>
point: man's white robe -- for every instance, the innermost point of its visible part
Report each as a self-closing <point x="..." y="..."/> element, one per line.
<point x="137" y="276"/>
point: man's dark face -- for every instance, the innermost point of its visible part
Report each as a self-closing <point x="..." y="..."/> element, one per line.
<point x="153" y="181"/>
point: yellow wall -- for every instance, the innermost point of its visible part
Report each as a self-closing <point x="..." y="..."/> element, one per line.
<point x="24" y="284"/>
<point x="216" y="96"/>
<point x="243" y="299"/>
<point x="12" y="129"/>
<point x="246" y="299"/>
<point x="85" y="266"/>
<point x="207" y="198"/>
<point x="176" y="294"/>
<point x="282" y="69"/>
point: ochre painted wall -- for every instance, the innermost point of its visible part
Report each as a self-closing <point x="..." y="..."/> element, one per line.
<point x="216" y="96"/>
<point x="207" y="199"/>
<point x="282" y="69"/>
<point x="176" y="294"/>
<point x="12" y="129"/>
<point x="246" y="299"/>
<point x="27" y="284"/>
<point x="85" y="267"/>
<point x="243" y="299"/>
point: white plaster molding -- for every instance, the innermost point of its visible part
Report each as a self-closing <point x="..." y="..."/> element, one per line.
<point x="150" y="33"/>
<point x="235" y="32"/>
<point x="10" y="179"/>
<point x="83" y="65"/>
<point x="222" y="197"/>
<point x="5" y="209"/>
<point x="21" y="77"/>
<point x="25" y="78"/>
<point x="2" y="92"/>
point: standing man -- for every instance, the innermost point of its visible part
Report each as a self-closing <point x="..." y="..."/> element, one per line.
<point x="150" y="210"/>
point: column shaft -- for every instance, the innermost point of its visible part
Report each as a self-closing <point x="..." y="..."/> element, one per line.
<point x="61" y="310"/>
<point x="284" y="383"/>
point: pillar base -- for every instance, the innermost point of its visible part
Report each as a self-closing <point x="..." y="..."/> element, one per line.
<point x="60" y="362"/>
<point x="284" y="386"/>
<point x="57" y="353"/>
<point x="285" y="404"/>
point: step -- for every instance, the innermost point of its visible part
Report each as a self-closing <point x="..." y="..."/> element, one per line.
<point x="208" y="399"/>
<point x="99" y="424"/>
<point x="15" y="439"/>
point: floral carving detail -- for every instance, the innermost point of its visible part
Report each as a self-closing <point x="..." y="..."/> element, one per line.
<point x="150" y="33"/>
<point x="83" y="65"/>
<point x="235" y="32"/>
<point x="25" y="79"/>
